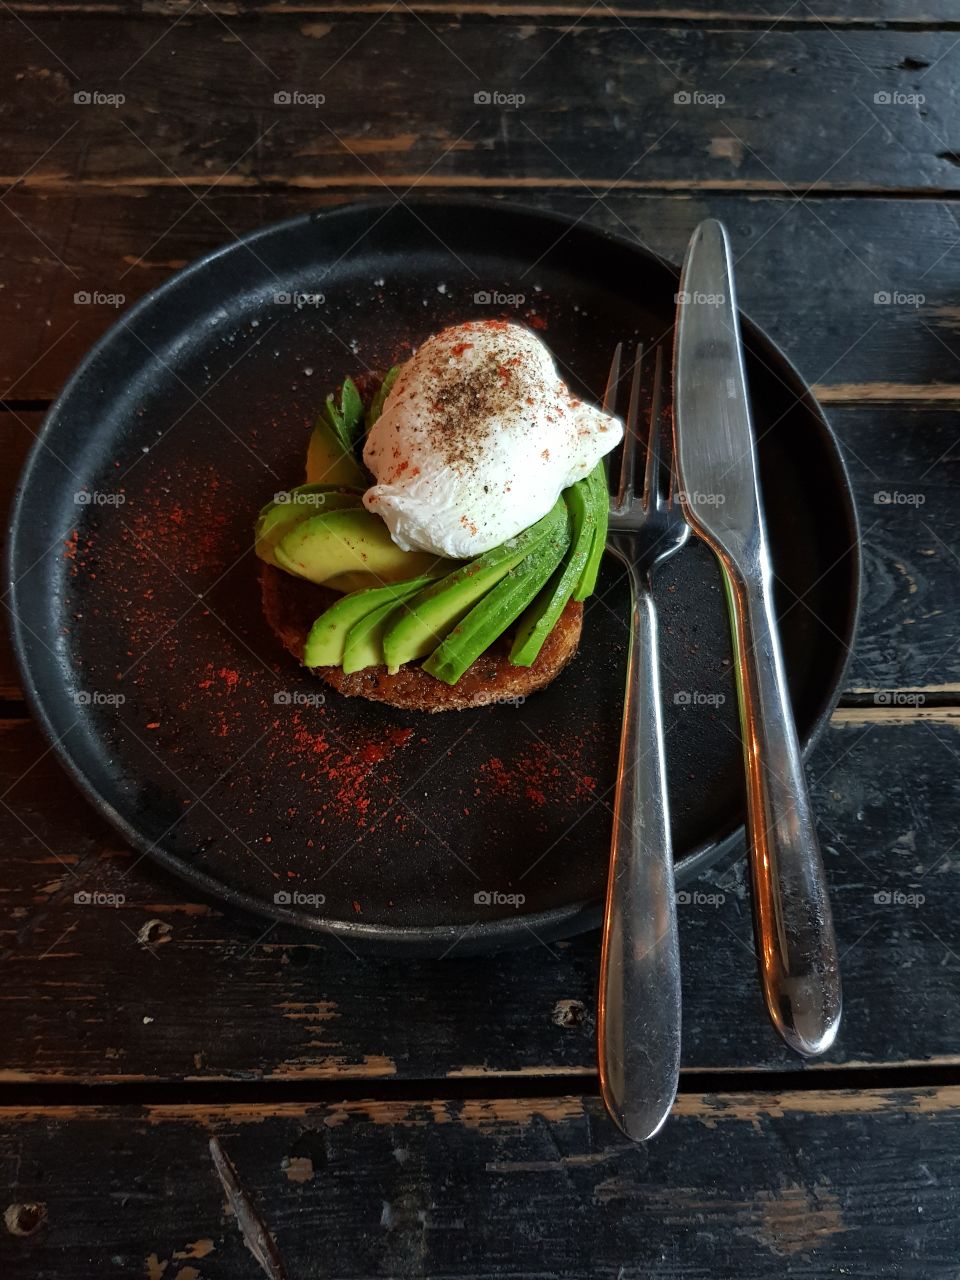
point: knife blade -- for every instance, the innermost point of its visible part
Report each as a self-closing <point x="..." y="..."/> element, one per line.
<point x="719" y="489"/>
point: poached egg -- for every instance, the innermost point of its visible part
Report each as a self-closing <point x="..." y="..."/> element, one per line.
<point x="477" y="439"/>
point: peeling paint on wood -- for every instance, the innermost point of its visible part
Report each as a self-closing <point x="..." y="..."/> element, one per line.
<point x="769" y="1185"/>
<point x="24" y="1218"/>
<point x="196" y="1249"/>
<point x="888" y="392"/>
<point x="298" y="1168"/>
<point x="798" y="1220"/>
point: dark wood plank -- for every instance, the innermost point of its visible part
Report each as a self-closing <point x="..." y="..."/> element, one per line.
<point x="910" y="543"/>
<point x="601" y="103"/>
<point x="842" y="14"/>
<point x="738" y="1184"/>
<point x="163" y="987"/>
<point x="903" y="469"/>
<point x="17" y="433"/>
<point x="808" y="273"/>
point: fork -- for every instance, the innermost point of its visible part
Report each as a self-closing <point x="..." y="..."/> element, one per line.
<point x="638" y="1023"/>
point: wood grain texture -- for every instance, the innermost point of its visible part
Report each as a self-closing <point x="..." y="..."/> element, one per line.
<point x="841" y="14"/>
<point x="739" y="1184"/>
<point x="163" y="987"/>
<point x="903" y="468"/>
<point x="600" y="102"/>
<point x="808" y="273"/>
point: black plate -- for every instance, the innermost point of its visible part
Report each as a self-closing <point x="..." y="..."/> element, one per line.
<point x="143" y="650"/>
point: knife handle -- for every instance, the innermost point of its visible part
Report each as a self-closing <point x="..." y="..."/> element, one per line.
<point x="793" y="924"/>
<point x="638" y="1022"/>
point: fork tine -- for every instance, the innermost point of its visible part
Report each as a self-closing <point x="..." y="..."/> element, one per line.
<point x="628" y="458"/>
<point x="610" y="398"/>
<point x="613" y="381"/>
<point x="654" y="493"/>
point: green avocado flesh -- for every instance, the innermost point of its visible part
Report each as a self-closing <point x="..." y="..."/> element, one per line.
<point x="541" y="617"/>
<point x="498" y="609"/>
<point x="278" y="518"/>
<point x="355" y="580"/>
<point x="325" y="546"/>
<point x="597" y="483"/>
<point x="330" y="638"/>
<point x="364" y="646"/>
<point x="328" y="462"/>
<point x="439" y="607"/>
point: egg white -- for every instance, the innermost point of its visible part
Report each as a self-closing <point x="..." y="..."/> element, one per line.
<point x="456" y="482"/>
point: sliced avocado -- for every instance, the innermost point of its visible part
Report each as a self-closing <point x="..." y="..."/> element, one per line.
<point x="376" y="404"/>
<point x="541" y="617"/>
<point x="277" y="518"/>
<point x="430" y="615"/>
<point x="364" y="643"/>
<point x="355" y="580"/>
<point x="327" y="638"/>
<point x="497" y="610"/>
<point x="328" y="462"/>
<point x="325" y="546"/>
<point x="597" y="482"/>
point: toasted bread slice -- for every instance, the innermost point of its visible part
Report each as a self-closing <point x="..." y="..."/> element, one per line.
<point x="291" y="606"/>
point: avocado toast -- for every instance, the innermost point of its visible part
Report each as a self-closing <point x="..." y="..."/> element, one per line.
<point x="291" y="605"/>
<point x="451" y="525"/>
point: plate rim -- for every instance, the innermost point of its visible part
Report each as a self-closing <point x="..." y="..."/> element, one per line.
<point x="427" y="940"/>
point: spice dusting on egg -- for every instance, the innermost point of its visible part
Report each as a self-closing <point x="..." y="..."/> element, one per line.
<point x="477" y="439"/>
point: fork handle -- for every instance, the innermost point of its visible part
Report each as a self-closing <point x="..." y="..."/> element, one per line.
<point x="638" y="1025"/>
<point x="793" y="925"/>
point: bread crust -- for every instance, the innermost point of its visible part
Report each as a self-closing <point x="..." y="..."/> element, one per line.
<point x="291" y="606"/>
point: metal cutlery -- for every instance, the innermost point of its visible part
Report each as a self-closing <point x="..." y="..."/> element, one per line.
<point x="720" y="493"/>
<point x="638" y="1024"/>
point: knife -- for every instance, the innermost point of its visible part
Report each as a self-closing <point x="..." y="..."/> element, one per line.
<point x="720" y="493"/>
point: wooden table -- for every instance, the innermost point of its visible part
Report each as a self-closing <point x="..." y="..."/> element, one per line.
<point x="442" y="1119"/>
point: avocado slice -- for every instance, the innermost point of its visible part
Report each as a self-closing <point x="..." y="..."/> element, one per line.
<point x="498" y="609"/>
<point x="541" y="617"/>
<point x="327" y="639"/>
<point x="277" y="518"/>
<point x="364" y="644"/>
<point x="430" y="615"/>
<point x="597" y="482"/>
<point x="324" y="546"/>
<point x="328" y="462"/>
<point x="356" y="580"/>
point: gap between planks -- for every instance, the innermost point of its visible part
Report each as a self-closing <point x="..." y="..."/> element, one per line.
<point x="853" y="394"/>
<point x="655" y="17"/>
<point x="273" y="184"/>
<point x="478" y="1113"/>
<point x="19" y="1089"/>
<point x="892" y="714"/>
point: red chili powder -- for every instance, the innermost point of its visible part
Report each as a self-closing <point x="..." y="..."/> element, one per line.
<point x="538" y="777"/>
<point x="190" y="535"/>
<point x="350" y="764"/>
